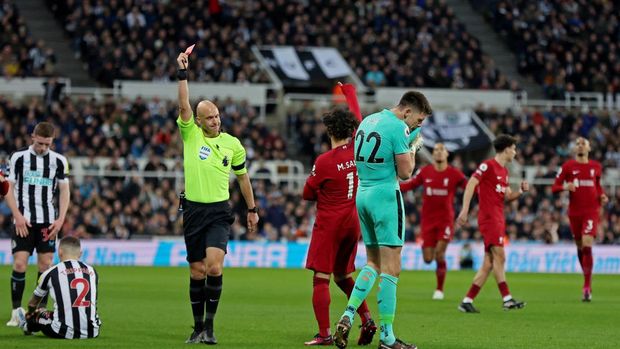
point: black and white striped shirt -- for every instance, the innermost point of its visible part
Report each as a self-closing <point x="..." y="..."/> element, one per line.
<point x="73" y="285"/>
<point x="35" y="178"/>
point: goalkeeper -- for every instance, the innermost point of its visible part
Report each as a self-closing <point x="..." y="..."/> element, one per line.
<point x="384" y="151"/>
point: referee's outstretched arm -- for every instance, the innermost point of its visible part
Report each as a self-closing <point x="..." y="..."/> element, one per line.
<point x="185" y="109"/>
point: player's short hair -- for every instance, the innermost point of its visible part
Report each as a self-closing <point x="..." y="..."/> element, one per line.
<point x="503" y="141"/>
<point x="44" y="129"/>
<point x="340" y="123"/>
<point x="416" y="100"/>
<point x="70" y="244"/>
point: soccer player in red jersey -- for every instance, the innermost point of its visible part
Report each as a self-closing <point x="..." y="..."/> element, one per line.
<point x="336" y="232"/>
<point x="4" y="185"/>
<point x="491" y="179"/>
<point x="440" y="181"/>
<point x="582" y="178"/>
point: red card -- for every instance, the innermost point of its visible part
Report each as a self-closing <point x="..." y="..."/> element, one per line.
<point x="189" y="50"/>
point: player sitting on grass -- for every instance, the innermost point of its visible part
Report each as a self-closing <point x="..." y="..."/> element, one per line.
<point x="73" y="286"/>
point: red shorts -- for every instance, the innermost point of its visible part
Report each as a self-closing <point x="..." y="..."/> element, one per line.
<point x="333" y="250"/>
<point x="437" y="231"/>
<point x="584" y="224"/>
<point x="493" y="234"/>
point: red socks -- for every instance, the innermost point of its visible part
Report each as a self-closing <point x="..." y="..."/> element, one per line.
<point x="320" y="302"/>
<point x="473" y="291"/>
<point x="503" y="289"/>
<point x="441" y="274"/>
<point x="346" y="286"/>
<point x="587" y="267"/>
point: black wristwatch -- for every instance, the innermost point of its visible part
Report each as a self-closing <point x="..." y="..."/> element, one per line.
<point x="253" y="210"/>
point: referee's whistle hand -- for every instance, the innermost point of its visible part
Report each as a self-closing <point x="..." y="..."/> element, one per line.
<point x="252" y="221"/>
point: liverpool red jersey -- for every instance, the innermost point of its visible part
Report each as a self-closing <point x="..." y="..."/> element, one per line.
<point x="4" y="186"/>
<point x="333" y="184"/>
<point x="493" y="179"/>
<point x="439" y="190"/>
<point x="587" y="180"/>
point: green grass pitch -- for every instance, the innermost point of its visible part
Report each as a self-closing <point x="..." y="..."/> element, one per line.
<point x="145" y="307"/>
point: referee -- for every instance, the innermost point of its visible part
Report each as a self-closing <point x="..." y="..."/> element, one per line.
<point x="208" y="157"/>
<point x="36" y="174"/>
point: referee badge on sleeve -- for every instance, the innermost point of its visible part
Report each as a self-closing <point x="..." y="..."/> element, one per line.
<point x="204" y="152"/>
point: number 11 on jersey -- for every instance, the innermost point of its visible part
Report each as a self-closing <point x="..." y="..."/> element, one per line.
<point x="350" y="176"/>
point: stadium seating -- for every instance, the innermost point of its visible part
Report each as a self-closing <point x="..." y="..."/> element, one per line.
<point x="545" y="138"/>
<point x="121" y="128"/>
<point x="126" y="130"/>
<point x="386" y="44"/>
<point x="566" y="46"/>
<point x="21" y="55"/>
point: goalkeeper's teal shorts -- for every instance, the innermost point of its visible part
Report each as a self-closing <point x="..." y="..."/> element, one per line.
<point x="382" y="215"/>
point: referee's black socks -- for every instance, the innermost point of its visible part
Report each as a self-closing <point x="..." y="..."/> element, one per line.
<point x="197" y="300"/>
<point x="18" y="283"/>
<point x="213" y="290"/>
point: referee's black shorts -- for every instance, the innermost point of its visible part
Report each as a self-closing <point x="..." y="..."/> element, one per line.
<point x="206" y="225"/>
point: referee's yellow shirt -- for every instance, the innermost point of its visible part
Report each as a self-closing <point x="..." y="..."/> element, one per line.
<point x="208" y="161"/>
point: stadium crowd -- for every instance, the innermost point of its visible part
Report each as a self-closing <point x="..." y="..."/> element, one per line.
<point x="127" y="129"/>
<point x="545" y="139"/>
<point x="20" y="54"/>
<point x="564" y="45"/>
<point x="134" y="207"/>
<point x="387" y="43"/>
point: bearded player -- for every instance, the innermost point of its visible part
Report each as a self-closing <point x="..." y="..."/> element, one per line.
<point x="491" y="180"/>
<point x="336" y="232"/>
<point x="581" y="177"/>
<point x="440" y="182"/>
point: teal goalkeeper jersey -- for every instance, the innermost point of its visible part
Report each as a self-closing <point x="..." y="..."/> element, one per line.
<point x="378" y="139"/>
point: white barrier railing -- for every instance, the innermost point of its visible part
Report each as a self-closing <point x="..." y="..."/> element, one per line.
<point x="289" y="172"/>
<point x="256" y="94"/>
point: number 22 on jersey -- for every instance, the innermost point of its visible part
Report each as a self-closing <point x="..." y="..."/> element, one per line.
<point x="377" y="143"/>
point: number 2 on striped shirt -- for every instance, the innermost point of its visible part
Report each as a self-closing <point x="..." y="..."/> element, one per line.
<point x="79" y="301"/>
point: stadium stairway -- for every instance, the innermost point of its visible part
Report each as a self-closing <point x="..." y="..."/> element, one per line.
<point x="43" y="25"/>
<point x="493" y="45"/>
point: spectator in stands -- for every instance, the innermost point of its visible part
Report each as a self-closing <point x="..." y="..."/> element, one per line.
<point x="566" y="46"/>
<point x="52" y="92"/>
<point x="385" y="43"/>
<point x="20" y="54"/>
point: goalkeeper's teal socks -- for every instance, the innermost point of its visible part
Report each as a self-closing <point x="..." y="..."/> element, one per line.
<point x="363" y="284"/>
<point x="387" y="306"/>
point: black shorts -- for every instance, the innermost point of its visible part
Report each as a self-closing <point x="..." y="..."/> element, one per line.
<point x="35" y="239"/>
<point x="206" y="225"/>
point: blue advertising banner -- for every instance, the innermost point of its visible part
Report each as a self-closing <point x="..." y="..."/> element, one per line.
<point x="519" y="257"/>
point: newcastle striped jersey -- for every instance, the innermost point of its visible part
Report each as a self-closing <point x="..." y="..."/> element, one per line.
<point x="73" y="285"/>
<point x="35" y="178"/>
